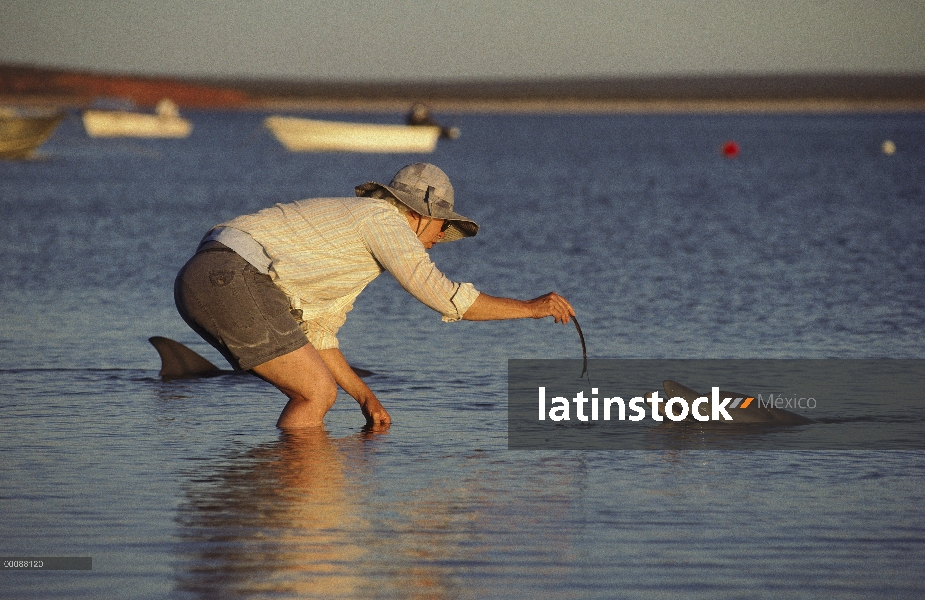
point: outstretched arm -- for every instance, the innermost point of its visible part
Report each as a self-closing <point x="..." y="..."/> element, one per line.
<point x="492" y="308"/>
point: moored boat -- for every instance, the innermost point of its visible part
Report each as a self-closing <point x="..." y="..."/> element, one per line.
<point x="166" y="122"/>
<point x="311" y="135"/>
<point x="420" y="115"/>
<point x="21" y="133"/>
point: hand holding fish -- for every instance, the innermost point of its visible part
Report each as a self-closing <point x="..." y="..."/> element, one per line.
<point x="552" y="305"/>
<point x="487" y="308"/>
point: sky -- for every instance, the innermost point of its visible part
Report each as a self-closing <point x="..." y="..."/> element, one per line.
<point x="432" y="40"/>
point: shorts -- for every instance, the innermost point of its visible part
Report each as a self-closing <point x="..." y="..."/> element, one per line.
<point x="236" y="308"/>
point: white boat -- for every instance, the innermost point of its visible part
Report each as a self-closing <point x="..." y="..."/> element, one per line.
<point x="21" y="133"/>
<point x="166" y="122"/>
<point x="310" y="135"/>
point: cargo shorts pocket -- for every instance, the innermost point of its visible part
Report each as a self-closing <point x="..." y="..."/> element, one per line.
<point x="221" y="277"/>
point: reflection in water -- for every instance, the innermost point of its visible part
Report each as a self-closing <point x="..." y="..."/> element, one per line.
<point x="291" y="519"/>
<point x="283" y="519"/>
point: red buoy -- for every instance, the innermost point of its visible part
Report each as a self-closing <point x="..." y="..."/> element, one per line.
<point x="730" y="149"/>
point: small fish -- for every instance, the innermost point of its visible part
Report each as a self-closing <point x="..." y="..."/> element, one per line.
<point x="584" y="350"/>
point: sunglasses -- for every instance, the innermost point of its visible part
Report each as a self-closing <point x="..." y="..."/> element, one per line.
<point x="445" y="226"/>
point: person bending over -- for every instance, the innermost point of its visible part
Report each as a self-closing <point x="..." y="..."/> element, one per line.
<point x="270" y="290"/>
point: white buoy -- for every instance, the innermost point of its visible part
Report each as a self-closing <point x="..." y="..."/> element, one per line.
<point x="888" y="147"/>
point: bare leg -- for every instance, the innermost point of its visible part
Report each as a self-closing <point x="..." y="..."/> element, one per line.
<point x="306" y="381"/>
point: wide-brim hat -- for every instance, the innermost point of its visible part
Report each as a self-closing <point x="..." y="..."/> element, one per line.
<point x="426" y="190"/>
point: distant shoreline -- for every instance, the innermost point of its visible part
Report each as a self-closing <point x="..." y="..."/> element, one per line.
<point x="571" y="106"/>
<point x="806" y="93"/>
<point x="526" y="106"/>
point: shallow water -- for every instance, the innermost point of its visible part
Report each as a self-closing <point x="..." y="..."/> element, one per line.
<point x="811" y="244"/>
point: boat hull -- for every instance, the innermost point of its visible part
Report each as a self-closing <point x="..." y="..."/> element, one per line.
<point x="21" y="135"/>
<point x="310" y="135"/>
<point x="110" y="123"/>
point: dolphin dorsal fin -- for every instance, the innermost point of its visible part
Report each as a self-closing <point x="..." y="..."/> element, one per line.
<point x="673" y="389"/>
<point x="178" y="361"/>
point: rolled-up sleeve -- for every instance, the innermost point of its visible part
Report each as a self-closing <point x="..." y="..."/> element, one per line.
<point x="462" y="300"/>
<point x="398" y="251"/>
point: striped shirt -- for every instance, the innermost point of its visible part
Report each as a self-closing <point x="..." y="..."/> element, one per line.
<point x="323" y="251"/>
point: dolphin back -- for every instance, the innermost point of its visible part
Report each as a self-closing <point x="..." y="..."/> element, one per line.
<point x="178" y="361"/>
<point x="754" y="413"/>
